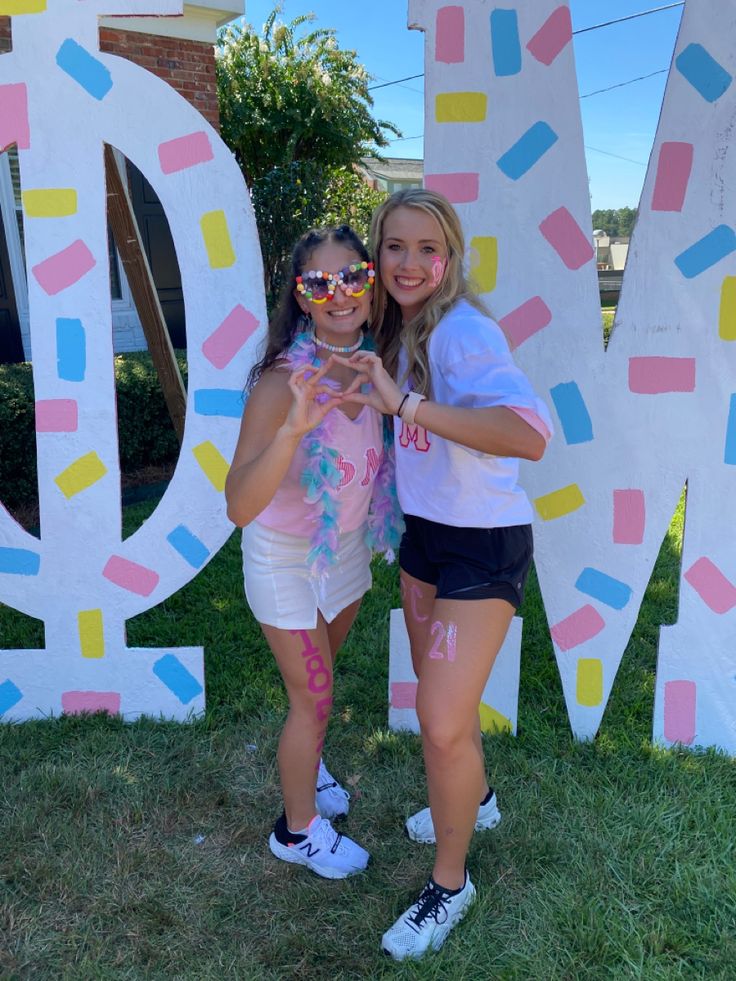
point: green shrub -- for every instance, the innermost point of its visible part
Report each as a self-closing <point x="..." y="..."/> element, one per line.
<point x="146" y="434"/>
<point x="17" y="436"/>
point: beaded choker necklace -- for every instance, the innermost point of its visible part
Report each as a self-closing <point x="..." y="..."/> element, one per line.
<point x="336" y="348"/>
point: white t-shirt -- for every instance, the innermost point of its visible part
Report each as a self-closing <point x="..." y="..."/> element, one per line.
<point x="471" y="367"/>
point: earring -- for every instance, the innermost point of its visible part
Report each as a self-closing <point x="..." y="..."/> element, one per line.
<point x="304" y="323"/>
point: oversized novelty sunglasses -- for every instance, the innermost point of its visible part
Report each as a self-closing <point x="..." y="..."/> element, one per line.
<point x="319" y="287"/>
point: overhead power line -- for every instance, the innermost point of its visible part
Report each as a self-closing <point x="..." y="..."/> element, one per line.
<point x="620" y="85"/>
<point x="398" y="81"/>
<point x="620" y="20"/>
<point x="581" y="30"/>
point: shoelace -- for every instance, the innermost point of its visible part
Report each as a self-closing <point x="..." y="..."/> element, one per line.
<point x="323" y="834"/>
<point x="432" y="902"/>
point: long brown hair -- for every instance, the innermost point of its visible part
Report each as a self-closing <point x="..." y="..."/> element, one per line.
<point x="386" y="320"/>
<point x="285" y="321"/>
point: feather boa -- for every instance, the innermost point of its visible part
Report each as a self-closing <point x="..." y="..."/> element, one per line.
<point x="321" y="477"/>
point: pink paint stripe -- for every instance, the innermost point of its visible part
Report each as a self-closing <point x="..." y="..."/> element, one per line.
<point x="567" y="238"/>
<point x="404" y="694"/>
<point x="554" y="34"/>
<point x="90" y="701"/>
<point x="525" y="321"/>
<point x="62" y="270"/>
<point x="715" y="590"/>
<point x="184" y="151"/>
<point x="673" y="174"/>
<point x="56" y="416"/>
<point x="680" y="702"/>
<point x="14" y="116"/>
<point x="629" y="517"/>
<point x="449" y="46"/>
<point x="131" y="576"/>
<point x="224" y="343"/>
<point x="655" y="376"/>
<point x="459" y="188"/>
<point x="577" y="628"/>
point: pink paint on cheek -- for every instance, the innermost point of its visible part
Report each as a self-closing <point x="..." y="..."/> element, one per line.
<point x="438" y="269"/>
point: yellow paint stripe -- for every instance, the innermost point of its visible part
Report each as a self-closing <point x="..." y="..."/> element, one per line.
<point x="484" y="267"/>
<point x="461" y="107"/>
<point x="91" y="634"/>
<point x="81" y="474"/>
<point x="213" y="463"/>
<point x="559" y="502"/>
<point x="217" y="241"/>
<point x="491" y="720"/>
<point x="589" y="683"/>
<point x="727" y="318"/>
<point x="50" y="202"/>
<point x="12" y="8"/>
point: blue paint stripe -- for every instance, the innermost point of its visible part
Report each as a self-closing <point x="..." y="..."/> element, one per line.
<point x="703" y="72"/>
<point x="604" y="588"/>
<point x="706" y="252"/>
<point x="10" y="695"/>
<point x="522" y="156"/>
<point x="730" y="453"/>
<point x="573" y="413"/>
<point x="219" y="402"/>
<point x="86" y="70"/>
<point x="177" y="678"/>
<point x="19" y="561"/>
<point x="71" y="349"/>
<point x="191" y="549"/>
<point x="505" y="42"/>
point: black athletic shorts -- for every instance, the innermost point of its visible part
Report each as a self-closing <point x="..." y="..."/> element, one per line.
<point x="468" y="563"/>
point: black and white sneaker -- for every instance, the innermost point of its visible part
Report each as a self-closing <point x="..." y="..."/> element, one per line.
<point x="323" y="850"/>
<point x="332" y="800"/>
<point x="426" y="924"/>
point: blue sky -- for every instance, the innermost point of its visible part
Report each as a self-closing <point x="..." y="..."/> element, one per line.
<point x="620" y="122"/>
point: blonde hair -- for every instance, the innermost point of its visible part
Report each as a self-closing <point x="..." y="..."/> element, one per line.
<point x="386" y="320"/>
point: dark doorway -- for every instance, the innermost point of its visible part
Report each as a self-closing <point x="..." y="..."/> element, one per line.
<point x="11" y="346"/>
<point x="159" y="246"/>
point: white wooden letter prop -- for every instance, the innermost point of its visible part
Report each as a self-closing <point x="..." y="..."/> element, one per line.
<point x="60" y="100"/>
<point x="657" y="409"/>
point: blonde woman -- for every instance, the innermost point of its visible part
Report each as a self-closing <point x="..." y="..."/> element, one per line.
<point x="463" y="416"/>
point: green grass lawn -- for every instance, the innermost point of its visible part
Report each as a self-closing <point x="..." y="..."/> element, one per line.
<point x="140" y="851"/>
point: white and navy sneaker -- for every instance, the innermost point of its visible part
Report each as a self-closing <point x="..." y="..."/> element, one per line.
<point x="332" y="800"/>
<point x="426" y="924"/>
<point x="322" y="849"/>
<point x="419" y="826"/>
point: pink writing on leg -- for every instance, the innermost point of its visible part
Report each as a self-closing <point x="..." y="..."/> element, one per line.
<point x="440" y="634"/>
<point x="416" y="594"/>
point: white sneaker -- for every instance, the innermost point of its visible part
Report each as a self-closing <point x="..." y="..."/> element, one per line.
<point x="426" y="924"/>
<point x="419" y="826"/>
<point x="322" y="849"/>
<point x="331" y="799"/>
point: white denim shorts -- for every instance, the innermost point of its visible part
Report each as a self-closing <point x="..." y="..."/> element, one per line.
<point x="279" y="588"/>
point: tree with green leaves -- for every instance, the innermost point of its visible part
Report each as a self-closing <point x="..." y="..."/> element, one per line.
<point x="291" y="199"/>
<point x="287" y="96"/>
<point x="296" y="111"/>
<point x="616" y="222"/>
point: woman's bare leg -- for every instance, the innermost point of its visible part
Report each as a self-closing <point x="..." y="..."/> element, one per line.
<point x="464" y="639"/>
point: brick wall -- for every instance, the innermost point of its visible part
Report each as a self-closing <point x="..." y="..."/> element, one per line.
<point x="188" y="66"/>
